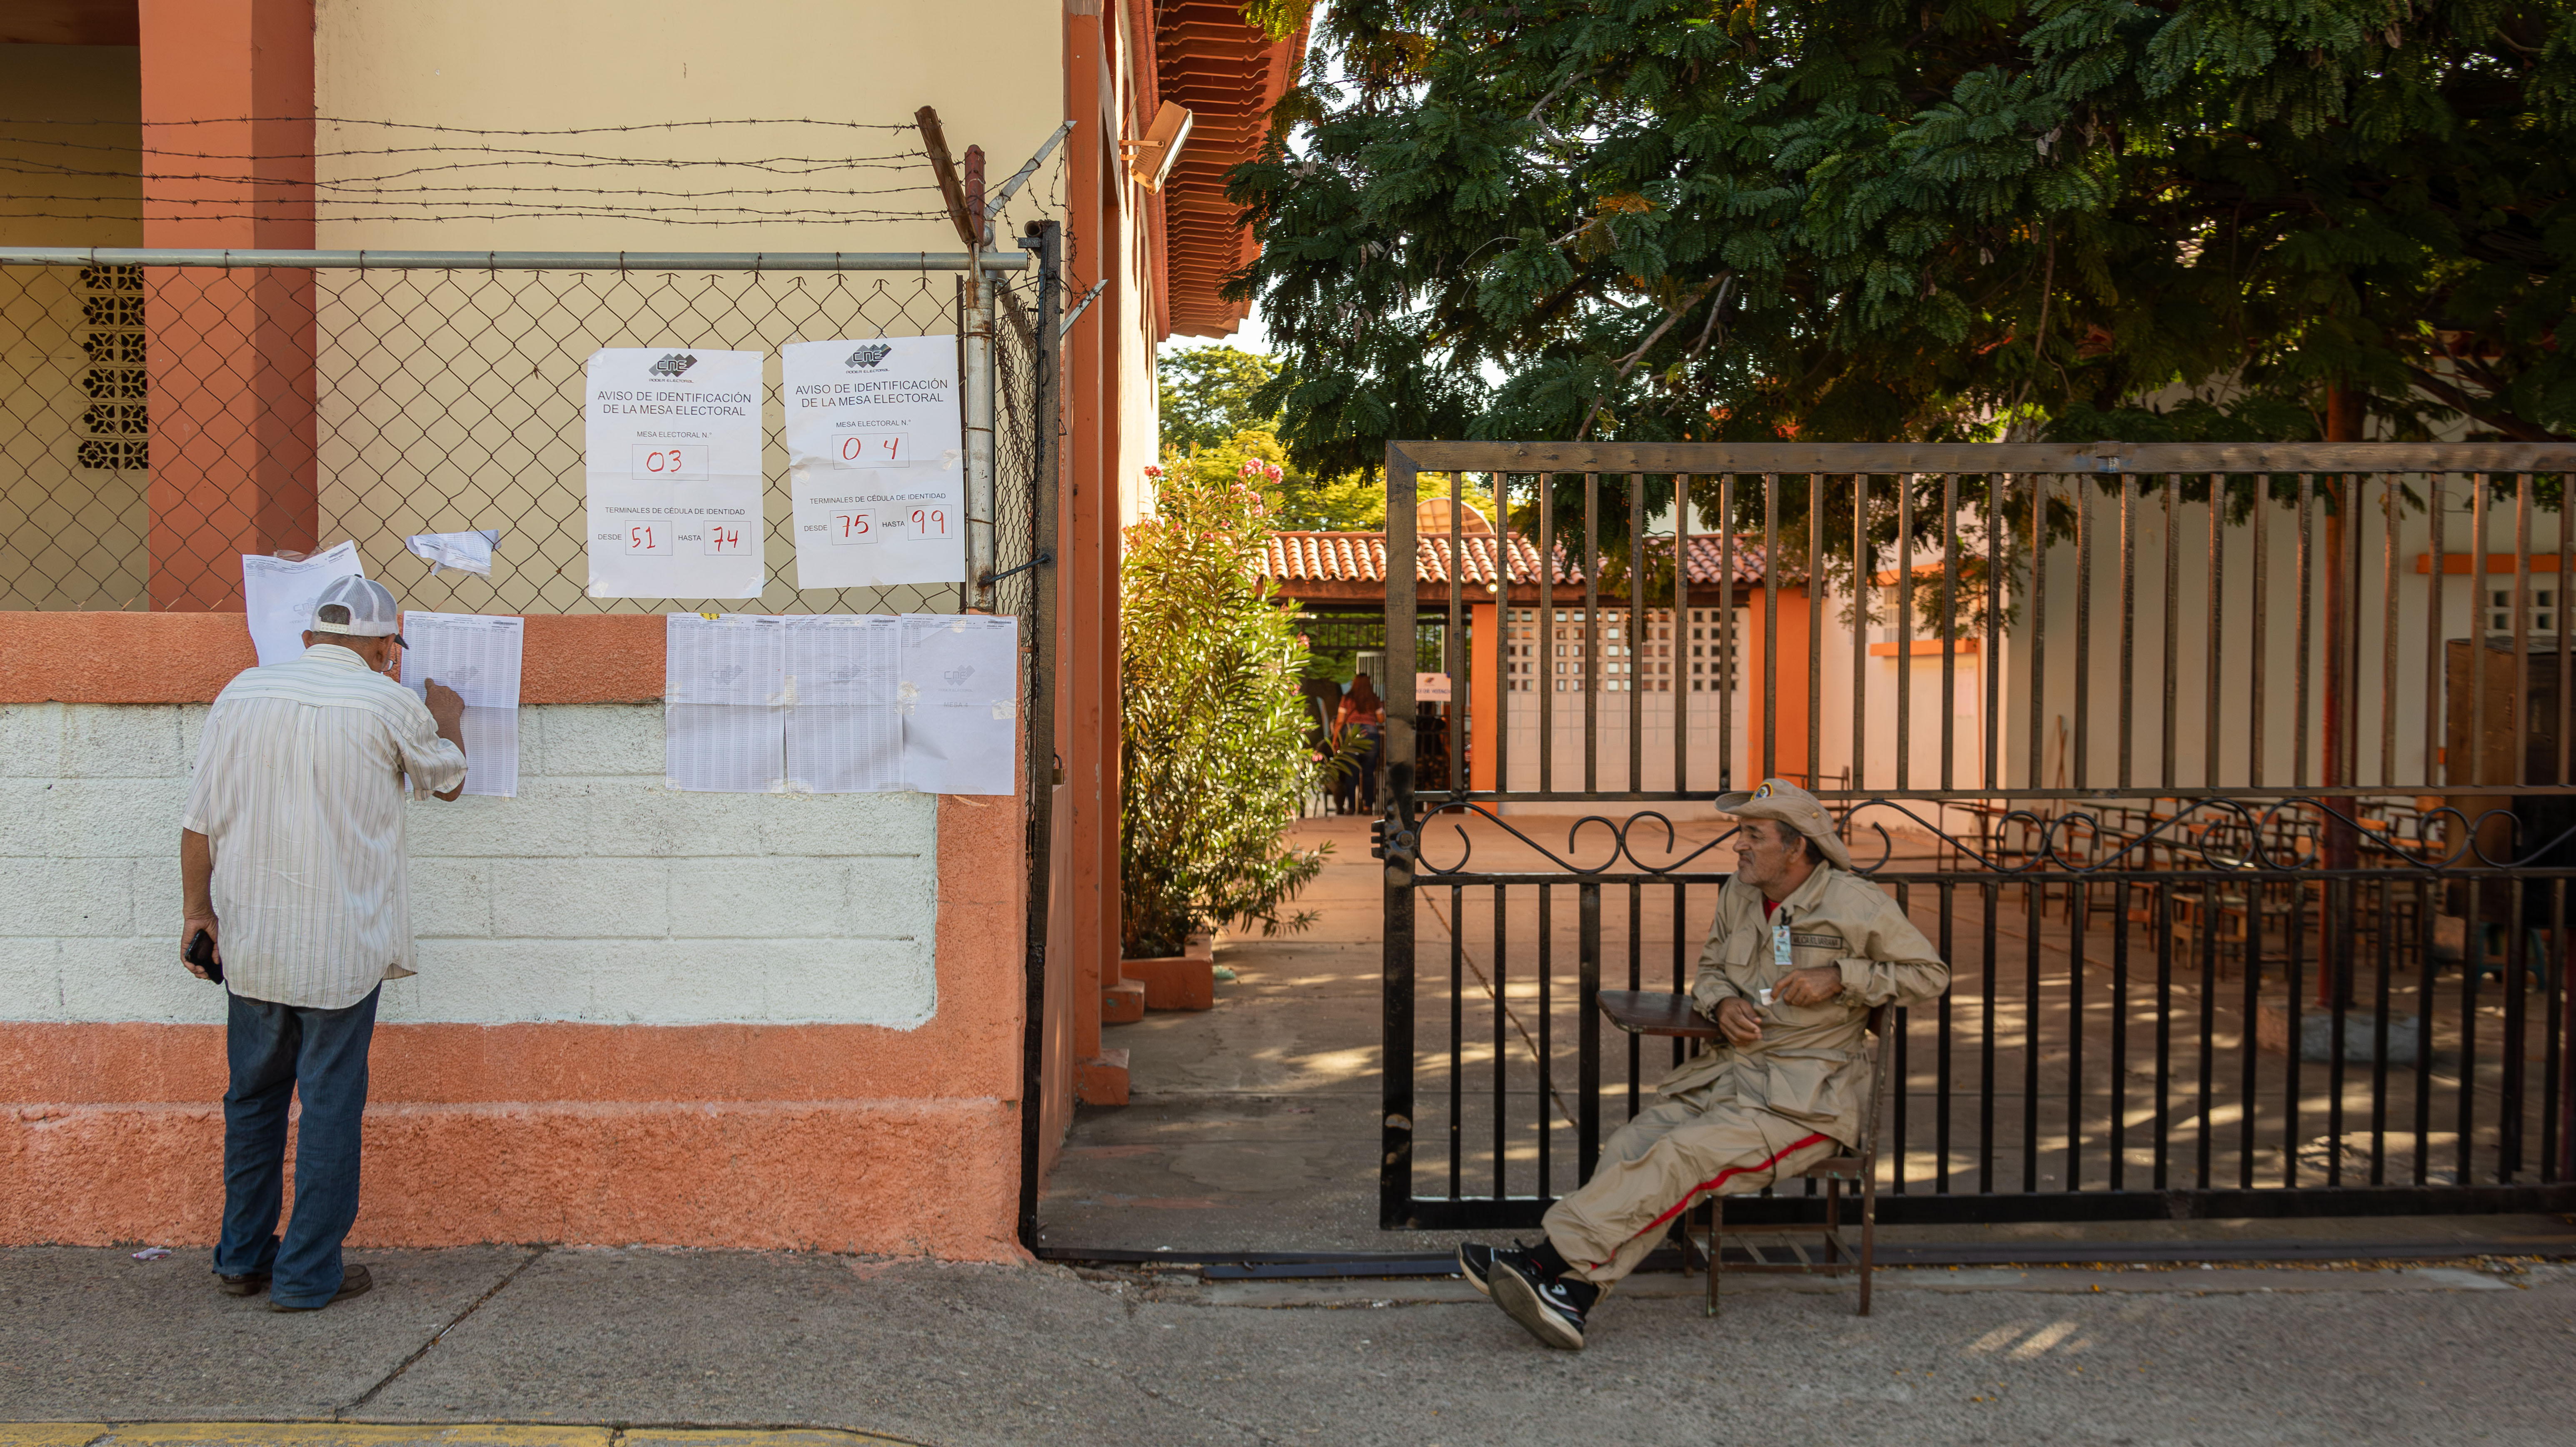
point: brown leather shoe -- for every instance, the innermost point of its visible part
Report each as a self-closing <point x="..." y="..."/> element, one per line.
<point x="249" y="1283"/>
<point x="353" y="1282"/>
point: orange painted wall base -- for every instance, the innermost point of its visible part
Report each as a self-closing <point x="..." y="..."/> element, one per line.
<point x="909" y="1177"/>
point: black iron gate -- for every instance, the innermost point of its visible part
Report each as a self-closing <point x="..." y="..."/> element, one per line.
<point x="2241" y="807"/>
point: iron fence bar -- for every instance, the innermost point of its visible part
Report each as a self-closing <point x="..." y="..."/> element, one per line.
<point x="2082" y="772"/>
<point x="2306" y="635"/>
<point x="1815" y="637"/>
<point x="2435" y="647"/>
<point x="1638" y="632"/>
<point x="2035" y="908"/>
<point x="2521" y="628"/>
<point x="1864" y="580"/>
<point x="2212" y="706"/>
<point x="1505" y="634"/>
<point x="2172" y="631"/>
<point x="2038" y="776"/>
<point x="1998" y="545"/>
<point x="2248" y="1056"/>
<point x="2379" y="1038"/>
<point x="2388" y="520"/>
<point x="1591" y="631"/>
<point x="1904" y="621"/>
<point x="1944" y="1037"/>
<point x="2339" y="1008"/>
<point x="2128" y="624"/>
<point x="1681" y="630"/>
<point x="2517" y="960"/>
<point x="1457" y="1033"/>
<point x="2164" y="1042"/>
<point x="1636" y="980"/>
<point x="282" y="260"/>
<point x="1949" y="629"/>
<point x="1587" y="996"/>
<point x="1770" y="623"/>
<point x="2472" y="965"/>
<point x="1550" y="644"/>
<point x="2079" y="925"/>
<point x="2119" y="1132"/>
<point x="1986" y="1042"/>
<point x="1395" y="1177"/>
<point x="2205" y="947"/>
<point x="1546" y="1034"/>
<point x="1726" y="677"/>
<point x="1502" y="1036"/>
<point x="2292" y="1006"/>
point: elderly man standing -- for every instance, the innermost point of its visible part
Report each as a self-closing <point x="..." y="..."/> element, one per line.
<point x="1800" y="952"/>
<point x="291" y="853"/>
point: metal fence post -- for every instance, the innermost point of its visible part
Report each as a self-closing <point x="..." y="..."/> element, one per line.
<point x="1045" y="489"/>
<point x="982" y="546"/>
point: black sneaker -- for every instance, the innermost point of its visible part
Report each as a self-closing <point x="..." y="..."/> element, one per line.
<point x="1476" y="1262"/>
<point x="1550" y="1308"/>
<point x="249" y="1283"/>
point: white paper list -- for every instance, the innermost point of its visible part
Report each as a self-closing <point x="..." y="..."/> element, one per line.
<point x="960" y="689"/>
<point x="478" y="657"/>
<point x="722" y="696"/>
<point x="875" y="461"/>
<point x="671" y="455"/>
<point x="278" y="596"/>
<point x="843" y="733"/>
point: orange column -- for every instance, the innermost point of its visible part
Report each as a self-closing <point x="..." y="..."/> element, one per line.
<point x="227" y="163"/>
<point x="1484" y="683"/>
<point x="1784" y="684"/>
<point x="1087" y="658"/>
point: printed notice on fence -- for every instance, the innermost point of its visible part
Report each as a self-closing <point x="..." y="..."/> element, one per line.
<point x="877" y="464"/>
<point x="673" y="457"/>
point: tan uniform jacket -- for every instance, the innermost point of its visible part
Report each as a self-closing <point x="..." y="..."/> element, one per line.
<point x="1809" y="1065"/>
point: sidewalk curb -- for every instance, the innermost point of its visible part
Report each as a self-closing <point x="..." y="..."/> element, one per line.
<point x="425" y="1434"/>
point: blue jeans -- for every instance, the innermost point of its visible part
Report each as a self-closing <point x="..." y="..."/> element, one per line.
<point x="275" y="1051"/>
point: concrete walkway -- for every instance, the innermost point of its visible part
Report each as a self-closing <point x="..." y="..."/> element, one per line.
<point x="630" y="1345"/>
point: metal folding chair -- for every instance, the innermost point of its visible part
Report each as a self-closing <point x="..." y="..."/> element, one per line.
<point x="1839" y="1254"/>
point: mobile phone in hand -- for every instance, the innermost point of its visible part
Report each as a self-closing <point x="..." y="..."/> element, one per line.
<point x="201" y="953"/>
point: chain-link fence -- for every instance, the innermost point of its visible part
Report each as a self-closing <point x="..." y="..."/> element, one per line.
<point x="155" y="422"/>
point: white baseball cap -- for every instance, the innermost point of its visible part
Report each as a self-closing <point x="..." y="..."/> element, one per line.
<point x="373" y="613"/>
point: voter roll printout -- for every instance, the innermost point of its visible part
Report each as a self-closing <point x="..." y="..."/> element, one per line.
<point x="841" y="703"/>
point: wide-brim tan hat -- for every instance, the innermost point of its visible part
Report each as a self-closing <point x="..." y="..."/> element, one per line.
<point x="1779" y="799"/>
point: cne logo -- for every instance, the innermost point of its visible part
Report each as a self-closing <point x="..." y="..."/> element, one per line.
<point x="674" y="363"/>
<point x="869" y="355"/>
<point x="957" y="676"/>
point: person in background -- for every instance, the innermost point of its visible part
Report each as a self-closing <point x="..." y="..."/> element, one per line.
<point x="292" y="859"/>
<point x="1363" y="719"/>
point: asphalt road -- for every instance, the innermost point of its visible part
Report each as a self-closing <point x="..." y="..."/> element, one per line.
<point x="972" y="1355"/>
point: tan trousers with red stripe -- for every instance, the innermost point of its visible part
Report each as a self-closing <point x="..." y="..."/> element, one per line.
<point x="1666" y="1159"/>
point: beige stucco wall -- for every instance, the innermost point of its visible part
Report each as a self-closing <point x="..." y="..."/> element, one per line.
<point x="993" y="68"/>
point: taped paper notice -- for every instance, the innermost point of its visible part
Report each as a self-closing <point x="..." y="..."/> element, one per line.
<point x="278" y="597"/>
<point x="874" y="462"/>
<point x="468" y="552"/>
<point x="672" y="457"/>
<point x="479" y="657"/>
<point x="962" y="678"/>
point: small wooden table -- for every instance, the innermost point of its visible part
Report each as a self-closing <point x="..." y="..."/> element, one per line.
<point x="1656" y="1012"/>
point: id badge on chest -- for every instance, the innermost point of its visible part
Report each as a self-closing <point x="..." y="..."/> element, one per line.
<point x="1780" y="957"/>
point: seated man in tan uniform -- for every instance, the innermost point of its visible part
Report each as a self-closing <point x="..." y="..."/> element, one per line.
<point x="1800" y="951"/>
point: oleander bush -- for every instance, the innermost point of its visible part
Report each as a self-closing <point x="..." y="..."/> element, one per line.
<point x="1213" y="750"/>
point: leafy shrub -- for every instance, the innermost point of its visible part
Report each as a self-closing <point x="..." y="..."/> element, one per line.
<point x="1213" y="754"/>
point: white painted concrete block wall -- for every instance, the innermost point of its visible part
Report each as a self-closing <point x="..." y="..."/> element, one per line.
<point x="596" y="895"/>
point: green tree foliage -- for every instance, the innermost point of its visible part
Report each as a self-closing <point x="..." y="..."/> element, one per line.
<point x="1207" y="395"/>
<point x="1212" y="751"/>
<point x="1951" y="219"/>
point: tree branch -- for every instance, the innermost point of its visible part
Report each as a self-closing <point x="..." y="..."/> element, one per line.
<point x="2504" y="422"/>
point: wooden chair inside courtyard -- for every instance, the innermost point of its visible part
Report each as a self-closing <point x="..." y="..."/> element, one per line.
<point x="1835" y="1251"/>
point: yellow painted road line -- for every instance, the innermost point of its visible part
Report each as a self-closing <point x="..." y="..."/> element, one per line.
<point x="51" y="1434"/>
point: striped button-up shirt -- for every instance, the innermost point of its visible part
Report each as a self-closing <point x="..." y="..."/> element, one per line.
<point x="299" y="791"/>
